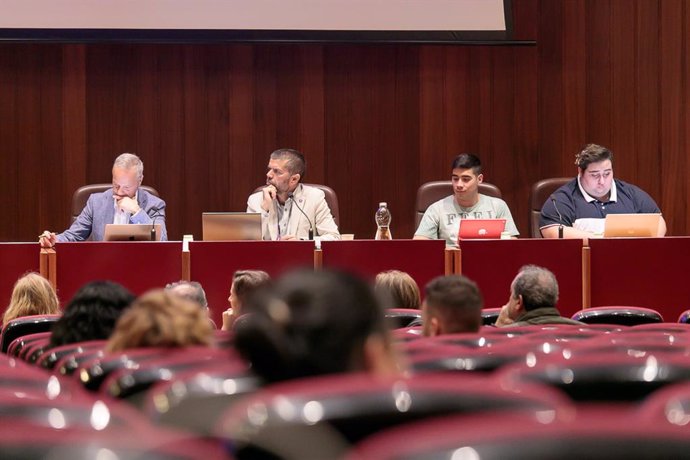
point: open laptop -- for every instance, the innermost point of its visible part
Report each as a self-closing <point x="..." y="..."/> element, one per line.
<point x="631" y="225"/>
<point x="472" y="229"/>
<point x="224" y="226"/>
<point x="131" y="232"/>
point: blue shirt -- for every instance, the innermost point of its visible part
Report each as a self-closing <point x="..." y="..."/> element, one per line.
<point x="573" y="205"/>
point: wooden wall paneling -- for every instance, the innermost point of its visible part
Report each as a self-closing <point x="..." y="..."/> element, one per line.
<point x="245" y="162"/>
<point x="682" y="225"/>
<point x="551" y="90"/>
<point x="166" y="169"/>
<point x="310" y="107"/>
<point x="70" y="170"/>
<point x="574" y="78"/>
<point x="525" y="13"/>
<point x="9" y="148"/>
<point x="197" y="140"/>
<point x="672" y="149"/>
<point x="647" y="164"/>
<point x="481" y="86"/>
<point x="623" y="78"/>
<point x="598" y="102"/>
<point x="525" y="154"/>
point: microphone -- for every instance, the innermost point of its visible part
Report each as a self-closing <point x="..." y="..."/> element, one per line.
<point x="560" y="218"/>
<point x="154" y="212"/>
<point x="311" y="227"/>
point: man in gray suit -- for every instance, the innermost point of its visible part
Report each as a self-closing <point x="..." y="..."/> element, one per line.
<point x="125" y="203"/>
<point x="289" y="209"/>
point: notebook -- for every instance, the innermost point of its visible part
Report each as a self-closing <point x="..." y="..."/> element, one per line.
<point x="224" y="226"/>
<point x="131" y="232"/>
<point x="631" y="225"/>
<point x="481" y="228"/>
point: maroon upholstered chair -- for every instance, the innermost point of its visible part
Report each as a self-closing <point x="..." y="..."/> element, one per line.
<point x="26" y="325"/>
<point x="431" y="192"/>
<point x="541" y="191"/>
<point x="81" y="195"/>
<point x="624" y="315"/>
<point x="331" y="200"/>
<point x="397" y="318"/>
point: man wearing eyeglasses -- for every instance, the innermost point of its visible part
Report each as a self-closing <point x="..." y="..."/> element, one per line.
<point x="125" y="203"/>
<point x="581" y="205"/>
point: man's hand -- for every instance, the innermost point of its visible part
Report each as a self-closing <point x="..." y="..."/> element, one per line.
<point x="129" y="205"/>
<point x="504" y="317"/>
<point x="270" y="193"/>
<point x="47" y="239"/>
<point x="288" y="238"/>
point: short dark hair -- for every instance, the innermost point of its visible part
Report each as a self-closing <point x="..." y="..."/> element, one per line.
<point x="468" y="161"/>
<point x="537" y="286"/>
<point x="92" y="313"/>
<point x="457" y="301"/>
<point x="310" y="323"/>
<point x="195" y="293"/>
<point x="246" y="282"/>
<point x="296" y="164"/>
<point x="592" y="153"/>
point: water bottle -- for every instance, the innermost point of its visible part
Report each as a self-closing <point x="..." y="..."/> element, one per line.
<point x="383" y="222"/>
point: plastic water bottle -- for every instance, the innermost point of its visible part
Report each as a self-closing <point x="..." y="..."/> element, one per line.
<point x="383" y="222"/>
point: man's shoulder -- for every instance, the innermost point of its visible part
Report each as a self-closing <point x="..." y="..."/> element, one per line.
<point x="492" y="200"/>
<point x="311" y="191"/>
<point x="628" y="188"/>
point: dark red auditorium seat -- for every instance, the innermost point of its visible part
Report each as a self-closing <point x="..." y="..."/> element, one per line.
<point x="24" y="326"/>
<point x="623" y="315"/>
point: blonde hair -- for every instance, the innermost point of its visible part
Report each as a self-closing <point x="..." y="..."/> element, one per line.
<point x="161" y="319"/>
<point x="397" y="289"/>
<point x="32" y="295"/>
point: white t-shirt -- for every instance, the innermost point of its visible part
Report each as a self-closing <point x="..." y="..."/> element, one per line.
<point x="442" y="219"/>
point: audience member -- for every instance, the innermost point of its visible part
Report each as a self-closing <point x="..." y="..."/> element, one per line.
<point x="442" y="219"/>
<point x="32" y="295"/>
<point x="161" y="319"/>
<point x="396" y="289"/>
<point x="244" y="284"/>
<point x="533" y="299"/>
<point x="578" y="209"/>
<point x="92" y="313"/>
<point x="125" y="203"/>
<point x="284" y="193"/>
<point x="315" y="322"/>
<point x="192" y="291"/>
<point x="452" y="304"/>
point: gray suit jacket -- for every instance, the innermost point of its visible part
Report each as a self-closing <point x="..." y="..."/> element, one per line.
<point x="100" y="210"/>
<point x="313" y="201"/>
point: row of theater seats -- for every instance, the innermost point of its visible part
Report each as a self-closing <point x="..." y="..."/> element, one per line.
<point x="596" y="391"/>
<point x="427" y="194"/>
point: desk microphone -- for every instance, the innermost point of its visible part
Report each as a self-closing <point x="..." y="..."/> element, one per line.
<point x="560" y="218"/>
<point x="311" y="227"/>
<point x="155" y="212"/>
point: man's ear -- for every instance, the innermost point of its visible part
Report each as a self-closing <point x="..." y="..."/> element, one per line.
<point x="519" y="306"/>
<point x="480" y="178"/>
<point x="435" y="326"/>
<point x="379" y="358"/>
<point x="295" y="178"/>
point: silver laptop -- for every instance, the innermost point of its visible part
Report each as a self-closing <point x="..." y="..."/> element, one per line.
<point x="632" y="225"/>
<point x="131" y="232"/>
<point x="226" y="226"/>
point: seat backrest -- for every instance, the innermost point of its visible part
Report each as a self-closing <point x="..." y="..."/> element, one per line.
<point x="431" y="192"/>
<point x="331" y="200"/>
<point x="541" y="191"/>
<point x="81" y="195"/>
<point x="26" y="325"/>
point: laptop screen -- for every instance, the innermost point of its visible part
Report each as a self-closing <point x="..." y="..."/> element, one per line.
<point x="228" y="226"/>
<point x="631" y="225"/>
<point x="481" y="228"/>
<point x="132" y="232"/>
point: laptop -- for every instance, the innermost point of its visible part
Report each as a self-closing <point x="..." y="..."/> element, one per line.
<point x="131" y="232"/>
<point x="226" y="226"/>
<point x="631" y="225"/>
<point x="472" y="229"/>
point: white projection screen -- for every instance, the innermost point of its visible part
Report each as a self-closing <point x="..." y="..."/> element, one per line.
<point x="257" y="20"/>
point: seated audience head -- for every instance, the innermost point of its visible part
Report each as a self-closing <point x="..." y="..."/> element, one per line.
<point x="244" y="284"/>
<point x="533" y="287"/>
<point x="32" y="295"/>
<point x="312" y="323"/>
<point x="396" y="289"/>
<point x="452" y="304"/>
<point x="190" y="290"/>
<point x="161" y="319"/>
<point x="92" y="313"/>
